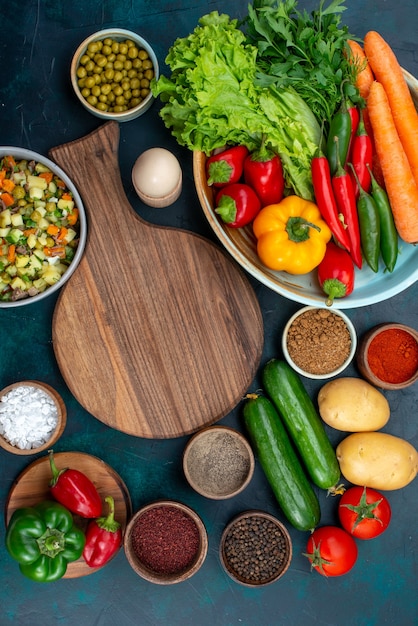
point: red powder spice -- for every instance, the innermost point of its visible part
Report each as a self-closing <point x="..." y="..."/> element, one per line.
<point x="165" y="539"/>
<point x="393" y="355"/>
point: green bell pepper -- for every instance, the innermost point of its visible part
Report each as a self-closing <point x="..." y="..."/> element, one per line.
<point x="43" y="539"/>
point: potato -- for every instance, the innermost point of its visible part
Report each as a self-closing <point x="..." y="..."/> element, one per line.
<point x="377" y="460"/>
<point x="353" y="405"/>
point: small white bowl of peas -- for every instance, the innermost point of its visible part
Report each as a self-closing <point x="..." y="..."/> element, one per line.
<point x="111" y="72"/>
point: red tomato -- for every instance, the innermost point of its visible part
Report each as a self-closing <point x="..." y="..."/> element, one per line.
<point x="331" y="551"/>
<point x="364" y="512"/>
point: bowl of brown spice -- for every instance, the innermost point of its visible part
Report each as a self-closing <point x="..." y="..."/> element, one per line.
<point x="255" y="549"/>
<point x="319" y="343"/>
<point x="166" y="542"/>
<point x="218" y="462"/>
<point x="387" y="356"/>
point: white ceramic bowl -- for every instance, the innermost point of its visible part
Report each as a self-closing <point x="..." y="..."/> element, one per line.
<point x="336" y="370"/>
<point x="241" y="245"/>
<point x="22" y="153"/>
<point x="118" y="34"/>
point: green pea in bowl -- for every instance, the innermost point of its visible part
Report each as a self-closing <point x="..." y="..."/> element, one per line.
<point x="111" y="72"/>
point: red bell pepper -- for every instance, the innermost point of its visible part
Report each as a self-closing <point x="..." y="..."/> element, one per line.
<point x="237" y="205"/>
<point x="325" y="200"/>
<point x="361" y="157"/>
<point x="263" y="171"/>
<point x="336" y="273"/>
<point x="226" y="167"/>
<point x="74" y="490"/>
<point x="103" y="538"/>
<point x="346" y="202"/>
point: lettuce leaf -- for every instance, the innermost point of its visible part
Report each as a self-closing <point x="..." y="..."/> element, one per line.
<point x="211" y="99"/>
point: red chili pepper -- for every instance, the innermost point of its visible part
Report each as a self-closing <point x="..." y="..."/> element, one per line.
<point x="325" y="200"/>
<point x="237" y="205"/>
<point x="226" y="167"/>
<point x="263" y="171"/>
<point x="103" y="538"/>
<point x="346" y="201"/>
<point x="361" y="157"/>
<point x="74" y="490"/>
<point x="354" y="114"/>
<point x="336" y="273"/>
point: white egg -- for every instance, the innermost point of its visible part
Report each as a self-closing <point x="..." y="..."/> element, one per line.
<point x="157" y="175"/>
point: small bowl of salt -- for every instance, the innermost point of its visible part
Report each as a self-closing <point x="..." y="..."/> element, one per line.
<point x="32" y="417"/>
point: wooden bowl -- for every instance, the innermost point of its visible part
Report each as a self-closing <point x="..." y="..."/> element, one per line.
<point x="240" y="243"/>
<point x="316" y="349"/>
<point x="255" y="549"/>
<point x="363" y="353"/>
<point x="166" y="526"/>
<point x="218" y="462"/>
<point x="61" y="417"/>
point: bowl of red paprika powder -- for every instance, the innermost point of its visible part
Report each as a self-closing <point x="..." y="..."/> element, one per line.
<point x="388" y="356"/>
<point x="166" y="542"/>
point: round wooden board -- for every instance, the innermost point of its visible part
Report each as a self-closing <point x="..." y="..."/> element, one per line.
<point x="32" y="486"/>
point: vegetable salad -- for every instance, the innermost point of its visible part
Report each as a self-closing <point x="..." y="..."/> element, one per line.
<point x="39" y="228"/>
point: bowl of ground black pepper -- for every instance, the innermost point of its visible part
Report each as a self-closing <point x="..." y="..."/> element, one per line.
<point x="387" y="356"/>
<point x="255" y="549"/>
<point x="319" y="343"/>
<point x="33" y="417"/>
<point x="218" y="462"/>
<point x="166" y="542"/>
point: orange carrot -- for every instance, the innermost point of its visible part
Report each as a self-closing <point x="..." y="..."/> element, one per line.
<point x="2" y="175"/>
<point x="72" y="217"/>
<point x="365" y="75"/>
<point x="52" y="229"/>
<point x="8" y="185"/>
<point x="54" y="251"/>
<point x="399" y="180"/>
<point x="66" y="196"/>
<point x="46" y="175"/>
<point x="62" y="234"/>
<point x="389" y="73"/>
<point x="11" y="253"/>
<point x="7" y="198"/>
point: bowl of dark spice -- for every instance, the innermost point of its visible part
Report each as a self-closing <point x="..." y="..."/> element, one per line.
<point x="218" y="462"/>
<point x="319" y="343"/>
<point x="387" y="356"/>
<point x="166" y="542"/>
<point x="255" y="548"/>
<point x="32" y="417"/>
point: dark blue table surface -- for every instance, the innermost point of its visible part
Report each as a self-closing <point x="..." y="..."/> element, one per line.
<point x="38" y="111"/>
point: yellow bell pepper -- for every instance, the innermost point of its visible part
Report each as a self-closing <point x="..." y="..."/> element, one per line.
<point x="291" y="235"/>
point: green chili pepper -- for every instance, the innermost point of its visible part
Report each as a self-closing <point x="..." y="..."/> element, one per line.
<point x="369" y="221"/>
<point x="43" y="540"/>
<point x="388" y="233"/>
<point x="340" y="127"/>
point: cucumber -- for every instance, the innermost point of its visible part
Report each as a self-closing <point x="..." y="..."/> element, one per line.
<point x="285" y="389"/>
<point x="280" y="464"/>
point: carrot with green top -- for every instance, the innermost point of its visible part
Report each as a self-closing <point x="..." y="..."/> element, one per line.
<point x="388" y="72"/>
<point x="400" y="183"/>
<point x="364" y="76"/>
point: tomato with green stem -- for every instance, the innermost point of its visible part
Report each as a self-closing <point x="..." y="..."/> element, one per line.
<point x="331" y="550"/>
<point x="364" y="512"/>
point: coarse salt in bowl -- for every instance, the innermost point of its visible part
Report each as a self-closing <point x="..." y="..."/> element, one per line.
<point x="32" y="417"/>
<point x="318" y="342"/>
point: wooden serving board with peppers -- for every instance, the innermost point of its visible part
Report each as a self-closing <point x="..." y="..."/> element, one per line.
<point x="158" y="332"/>
<point x="32" y="487"/>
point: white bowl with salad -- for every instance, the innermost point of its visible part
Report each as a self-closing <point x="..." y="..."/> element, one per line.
<point x="43" y="227"/>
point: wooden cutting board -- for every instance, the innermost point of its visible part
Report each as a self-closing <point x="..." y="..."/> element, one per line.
<point x="158" y="332"/>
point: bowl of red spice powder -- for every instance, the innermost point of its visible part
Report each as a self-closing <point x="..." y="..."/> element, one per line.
<point x="166" y="542"/>
<point x="387" y="356"/>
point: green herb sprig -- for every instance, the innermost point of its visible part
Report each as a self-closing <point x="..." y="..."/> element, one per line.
<point x="308" y="52"/>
